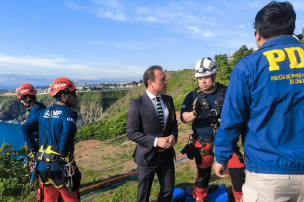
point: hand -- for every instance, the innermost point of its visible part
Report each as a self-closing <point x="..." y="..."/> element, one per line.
<point x="172" y="140"/>
<point x="197" y="107"/>
<point x="163" y="142"/>
<point x="219" y="120"/>
<point x="68" y="160"/>
<point x="218" y="170"/>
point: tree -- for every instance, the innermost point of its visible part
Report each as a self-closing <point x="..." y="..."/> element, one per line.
<point x="240" y="54"/>
<point x="302" y="41"/>
<point x="140" y="81"/>
<point x="224" y="69"/>
<point x="134" y="83"/>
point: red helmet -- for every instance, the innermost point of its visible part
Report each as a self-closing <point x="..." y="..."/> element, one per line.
<point x="61" y="84"/>
<point x="25" y="89"/>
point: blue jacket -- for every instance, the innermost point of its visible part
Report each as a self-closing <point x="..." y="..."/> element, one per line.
<point x="265" y="103"/>
<point x="61" y="131"/>
<point x="37" y="108"/>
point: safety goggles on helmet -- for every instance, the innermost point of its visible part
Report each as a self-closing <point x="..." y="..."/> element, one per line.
<point x="204" y="69"/>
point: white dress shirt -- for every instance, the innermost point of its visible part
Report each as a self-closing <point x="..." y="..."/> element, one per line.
<point x="163" y="106"/>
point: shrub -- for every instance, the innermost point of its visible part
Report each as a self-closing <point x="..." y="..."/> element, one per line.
<point x="14" y="177"/>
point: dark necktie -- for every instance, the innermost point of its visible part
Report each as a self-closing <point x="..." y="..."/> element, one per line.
<point x="160" y="112"/>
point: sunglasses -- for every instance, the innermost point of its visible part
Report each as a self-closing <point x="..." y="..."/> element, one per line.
<point x="73" y="93"/>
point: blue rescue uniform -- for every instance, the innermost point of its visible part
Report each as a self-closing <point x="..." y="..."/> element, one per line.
<point x="264" y="103"/>
<point x="36" y="109"/>
<point x="202" y="124"/>
<point x="61" y="131"/>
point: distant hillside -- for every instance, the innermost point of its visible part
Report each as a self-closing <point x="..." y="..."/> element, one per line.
<point x="180" y="83"/>
<point x="91" y="106"/>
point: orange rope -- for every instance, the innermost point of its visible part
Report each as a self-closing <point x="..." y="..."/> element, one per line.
<point x="100" y="143"/>
<point x="118" y="177"/>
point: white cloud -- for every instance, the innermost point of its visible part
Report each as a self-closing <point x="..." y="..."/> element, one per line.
<point x="147" y="19"/>
<point x="138" y="45"/>
<point x="64" y="67"/>
<point x="110" y="9"/>
<point x="172" y="13"/>
<point x="196" y="32"/>
<point x="41" y="62"/>
<point x="189" y="17"/>
<point x="254" y="4"/>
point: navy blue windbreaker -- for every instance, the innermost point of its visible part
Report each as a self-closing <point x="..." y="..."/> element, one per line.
<point x="202" y="124"/>
<point x="61" y="132"/>
<point x="265" y="103"/>
<point x="37" y="108"/>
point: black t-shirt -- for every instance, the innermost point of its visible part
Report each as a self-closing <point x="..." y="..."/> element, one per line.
<point x="202" y="124"/>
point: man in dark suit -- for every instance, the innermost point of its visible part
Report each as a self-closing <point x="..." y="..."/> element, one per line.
<point x="152" y="125"/>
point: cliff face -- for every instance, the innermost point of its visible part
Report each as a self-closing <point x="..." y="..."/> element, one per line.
<point x="12" y="110"/>
<point x="89" y="109"/>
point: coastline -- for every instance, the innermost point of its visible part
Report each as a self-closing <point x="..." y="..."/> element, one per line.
<point x="10" y="122"/>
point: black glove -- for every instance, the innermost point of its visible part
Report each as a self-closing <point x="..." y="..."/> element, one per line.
<point x="198" y="108"/>
<point x="68" y="160"/>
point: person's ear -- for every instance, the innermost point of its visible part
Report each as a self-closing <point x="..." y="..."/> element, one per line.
<point x="258" y="37"/>
<point x="27" y="99"/>
<point x="63" y="98"/>
<point x="149" y="83"/>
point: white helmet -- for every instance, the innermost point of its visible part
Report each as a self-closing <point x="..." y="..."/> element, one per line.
<point x="205" y="67"/>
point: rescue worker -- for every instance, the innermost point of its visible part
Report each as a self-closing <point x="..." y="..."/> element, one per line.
<point x="27" y="94"/>
<point x="202" y="107"/>
<point x="264" y="102"/>
<point x="57" y="170"/>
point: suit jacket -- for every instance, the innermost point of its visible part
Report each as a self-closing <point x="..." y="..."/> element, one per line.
<point x="143" y="127"/>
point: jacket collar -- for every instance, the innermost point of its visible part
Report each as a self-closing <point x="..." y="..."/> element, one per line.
<point x="283" y="39"/>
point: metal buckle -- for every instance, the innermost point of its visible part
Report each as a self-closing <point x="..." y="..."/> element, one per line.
<point x="42" y="154"/>
<point x="213" y="110"/>
<point x="203" y="152"/>
<point x="161" y="150"/>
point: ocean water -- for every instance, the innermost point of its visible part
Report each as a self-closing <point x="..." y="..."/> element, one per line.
<point x="9" y="133"/>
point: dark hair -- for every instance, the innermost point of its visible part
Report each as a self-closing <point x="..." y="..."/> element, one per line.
<point x="32" y="97"/>
<point x="58" y="95"/>
<point x="149" y="74"/>
<point x="275" y="19"/>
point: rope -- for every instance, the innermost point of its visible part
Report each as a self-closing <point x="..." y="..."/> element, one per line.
<point x="123" y="176"/>
<point x="29" y="198"/>
<point x="101" y="143"/>
<point x="180" y="159"/>
<point x="108" y="181"/>
<point x="122" y="162"/>
<point x="106" y="169"/>
<point x="109" y="187"/>
<point x="111" y="140"/>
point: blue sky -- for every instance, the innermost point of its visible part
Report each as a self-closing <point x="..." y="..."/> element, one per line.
<point x="120" y="38"/>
